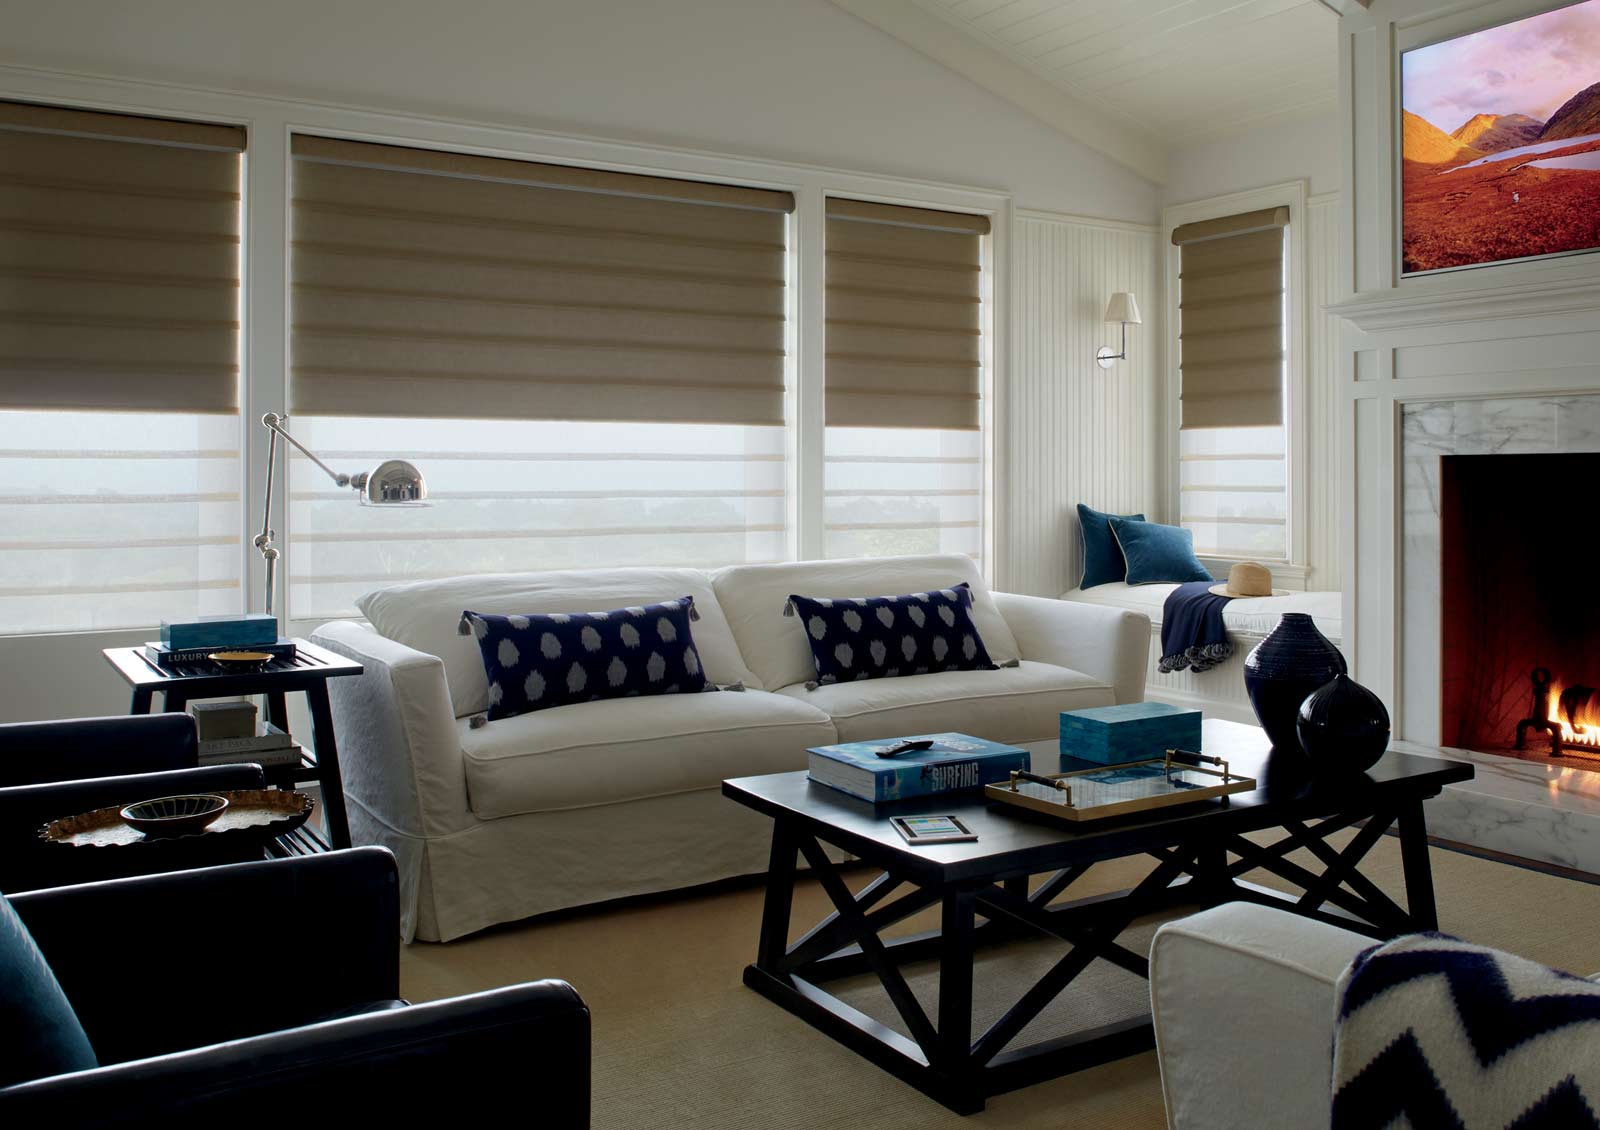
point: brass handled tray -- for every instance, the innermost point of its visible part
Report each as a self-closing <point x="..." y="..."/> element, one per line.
<point x="260" y="813"/>
<point x="1116" y="790"/>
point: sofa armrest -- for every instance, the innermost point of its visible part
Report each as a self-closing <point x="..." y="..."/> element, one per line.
<point x="524" y="1047"/>
<point x="399" y="749"/>
<point x="26" y="863"/>
<point x="179" y="941"/>
<point x="73" y="748"/>
<point x="1246" y="994"/>
<point x="1112" y="644"/>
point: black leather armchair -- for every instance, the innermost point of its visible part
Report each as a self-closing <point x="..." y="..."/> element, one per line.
<point x="61" y="768"/>
<point x="265" y="994"/>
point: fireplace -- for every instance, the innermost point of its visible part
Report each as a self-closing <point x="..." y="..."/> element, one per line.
<point x="1519" y="606"/>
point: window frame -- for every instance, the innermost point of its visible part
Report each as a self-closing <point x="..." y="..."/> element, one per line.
<point x="1294" y="572"/>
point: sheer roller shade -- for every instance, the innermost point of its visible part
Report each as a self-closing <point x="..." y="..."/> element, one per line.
<point x="443" y="285"/>
<point x="119" y="262"/>
<point x="1231" y="320"/>
<point x="905" y="304"/>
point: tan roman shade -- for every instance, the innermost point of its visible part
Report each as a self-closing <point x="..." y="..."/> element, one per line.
<point x="119" y="262"/>
<point x="434" y="284"/>
<point x="1231" y="319"/>
<point x="905" y="306"/>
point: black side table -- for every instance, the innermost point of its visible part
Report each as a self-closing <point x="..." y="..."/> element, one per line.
<point x="309" y="672"/>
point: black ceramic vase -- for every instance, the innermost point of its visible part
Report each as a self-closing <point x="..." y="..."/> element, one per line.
<point x="1343" y="727"/>
<point x="1294" y="660"/>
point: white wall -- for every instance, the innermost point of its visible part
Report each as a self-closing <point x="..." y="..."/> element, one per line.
<point x="1080" y="433"/>
<point x="1303" y="150"/>
<point x="794" y="80"/>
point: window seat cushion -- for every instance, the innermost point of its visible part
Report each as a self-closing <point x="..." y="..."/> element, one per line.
<point x="1245" y="616"/>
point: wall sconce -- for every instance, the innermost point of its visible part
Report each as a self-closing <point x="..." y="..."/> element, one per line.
<point x="1123" y="309"/>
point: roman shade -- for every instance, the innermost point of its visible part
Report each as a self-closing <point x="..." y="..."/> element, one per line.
<point x="1231" y="320"/>
<point x="435" y="284"/>
<point x="119" y="262"/>
<point x="905" y="306"/>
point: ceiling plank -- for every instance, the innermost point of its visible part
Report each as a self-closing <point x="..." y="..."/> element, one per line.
<point x="1121" y="140"/>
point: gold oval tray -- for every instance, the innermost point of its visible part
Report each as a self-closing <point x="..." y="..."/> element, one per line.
<point x="263" y="813"/>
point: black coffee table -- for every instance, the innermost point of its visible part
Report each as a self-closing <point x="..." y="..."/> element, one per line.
<point x="982" y="889"/>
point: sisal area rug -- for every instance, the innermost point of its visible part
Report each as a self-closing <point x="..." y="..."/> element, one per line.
<point x="679" y="1041"/>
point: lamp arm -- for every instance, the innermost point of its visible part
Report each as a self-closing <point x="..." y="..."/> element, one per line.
<point x="274" y="423"/>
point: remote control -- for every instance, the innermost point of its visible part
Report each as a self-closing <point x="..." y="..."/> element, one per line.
<point x="904" y="747"/>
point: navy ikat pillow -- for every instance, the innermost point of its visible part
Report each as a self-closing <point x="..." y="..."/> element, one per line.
<point x="878" y="637"/>
<point x="559" y="658"/>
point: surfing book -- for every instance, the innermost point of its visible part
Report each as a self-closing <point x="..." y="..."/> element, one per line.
<point x="954" y="763"/>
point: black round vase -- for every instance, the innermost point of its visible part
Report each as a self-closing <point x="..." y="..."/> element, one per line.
<point x="1294" y="660"/>
<point x="1343" y="727"/>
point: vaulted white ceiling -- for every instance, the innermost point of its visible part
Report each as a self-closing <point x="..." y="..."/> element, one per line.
<point x="1169" y="72"/>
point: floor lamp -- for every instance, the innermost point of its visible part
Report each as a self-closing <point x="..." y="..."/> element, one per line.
<point x="394" y="482"/>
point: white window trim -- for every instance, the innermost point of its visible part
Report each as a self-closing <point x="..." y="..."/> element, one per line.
<point x="265" y="276"/>
<point x="1294" y="572"/>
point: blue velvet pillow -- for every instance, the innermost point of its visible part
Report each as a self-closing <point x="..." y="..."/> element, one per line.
<point x="1158" y="554"/>
<point x="40" y="1031"/>
<point x="559" y="658"/>
<point x="1102" y="556"/>
<point x="873" y="637"/>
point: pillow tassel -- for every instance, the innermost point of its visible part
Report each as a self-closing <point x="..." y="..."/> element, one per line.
<point x="477" y="721"/>
<point x="1012" y="663"/>
<point x="738" y="687"/>
<point x="694" y="613"/>
<point x="788" y="607"/>
<point x="464" y="625"/>
<point x="811" y="684"/>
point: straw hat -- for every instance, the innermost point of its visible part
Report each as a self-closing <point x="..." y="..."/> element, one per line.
<point x="1249" y="579"/>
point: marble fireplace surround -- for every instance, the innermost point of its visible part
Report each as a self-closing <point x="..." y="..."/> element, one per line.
<point x="1544" y="812"/>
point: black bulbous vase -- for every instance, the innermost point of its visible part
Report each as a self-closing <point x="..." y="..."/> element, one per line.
<point x="1283" y="669"/>
<point x="1343" y="727"/>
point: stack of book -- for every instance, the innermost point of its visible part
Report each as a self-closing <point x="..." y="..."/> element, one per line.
<point x="229" y="734"/>
<point x="193" y="641"/>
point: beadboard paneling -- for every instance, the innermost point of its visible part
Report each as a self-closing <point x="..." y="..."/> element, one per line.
<point x="1075" y="432"/>
<point x="1323" y="406"/>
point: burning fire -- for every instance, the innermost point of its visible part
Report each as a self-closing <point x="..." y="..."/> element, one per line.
<point x="1576" y="710"/>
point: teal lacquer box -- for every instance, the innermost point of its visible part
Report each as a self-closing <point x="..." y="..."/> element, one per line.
<point x="220" y="631"/>
<point x="1134" y="731"/>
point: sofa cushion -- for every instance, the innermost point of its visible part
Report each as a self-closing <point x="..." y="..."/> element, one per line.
<point x="774" y="645"/>
<point x="42" y="1034"/>
<point x="595" y="753"/>
<point x="425" y="615"/>
<point x="879" y="637"/>
<point x="543" y="660"/>
<point x="1014" y="704"/>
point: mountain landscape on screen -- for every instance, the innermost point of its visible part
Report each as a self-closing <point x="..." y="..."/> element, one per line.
<point x="1500" y="143"/>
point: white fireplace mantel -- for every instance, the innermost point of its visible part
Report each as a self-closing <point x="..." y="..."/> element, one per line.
<point x="1471" y="301"/>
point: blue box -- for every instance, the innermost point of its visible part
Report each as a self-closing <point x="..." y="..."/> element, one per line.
<point x="1133" y="731"/>
<point x="220" y="631"/>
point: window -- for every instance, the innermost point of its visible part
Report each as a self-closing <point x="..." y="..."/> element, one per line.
<point x="119" y="370"/>
<point x="904" y="443"/>
<point x="1233" y="490"/>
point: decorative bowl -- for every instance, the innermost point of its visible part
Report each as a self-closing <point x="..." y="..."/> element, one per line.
<point x="175" y="815"/>
<point x="241" y="660"/>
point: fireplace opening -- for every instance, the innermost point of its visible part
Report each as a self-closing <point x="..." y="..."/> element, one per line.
<point x="1520" y="607"/>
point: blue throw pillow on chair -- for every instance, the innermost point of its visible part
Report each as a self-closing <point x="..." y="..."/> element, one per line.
<point x="1158" y="554"/>
<point x="878" y="637"/>
<point x="37" y="1025"/>
<point x="1102" y="556"/>
<point x="559" y="658"/>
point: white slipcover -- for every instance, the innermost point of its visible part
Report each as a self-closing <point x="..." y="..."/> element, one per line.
<point x="425" y="615"/>
<point x="1013" y="704"/>
<point x="775" y="646"/>
<point x="626" y="749"/>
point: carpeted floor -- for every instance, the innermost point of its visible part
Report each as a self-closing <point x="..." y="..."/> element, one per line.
<point x="679" y="1042"/>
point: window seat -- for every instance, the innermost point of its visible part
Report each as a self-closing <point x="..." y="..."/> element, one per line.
<point x="1219" y="692"/>
<point x="1245" y="616"/>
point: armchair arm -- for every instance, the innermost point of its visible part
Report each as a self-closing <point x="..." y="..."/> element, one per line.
<point x="25" y="863"/>
<point x="74" y="748"/>
<point x="525" y="1047"/>
<point x="183" y="937"/>
<point x="1112" y="644"/>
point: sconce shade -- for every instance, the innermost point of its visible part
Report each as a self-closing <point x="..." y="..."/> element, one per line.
<point x="1123" y="308"/>
<point x="394" y="482"/>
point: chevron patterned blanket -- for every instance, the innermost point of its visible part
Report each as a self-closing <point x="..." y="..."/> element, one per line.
<point x="1436" y="1032"/>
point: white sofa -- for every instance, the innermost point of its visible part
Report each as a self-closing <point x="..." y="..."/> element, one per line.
<point x="582" y="803"/>
<point x="1219" y="692"/>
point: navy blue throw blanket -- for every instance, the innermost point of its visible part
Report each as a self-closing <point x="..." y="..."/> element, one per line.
<point x="1193" y="637"/>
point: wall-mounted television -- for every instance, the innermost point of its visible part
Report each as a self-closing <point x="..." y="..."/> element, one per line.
<point x="1500" y="143"/>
